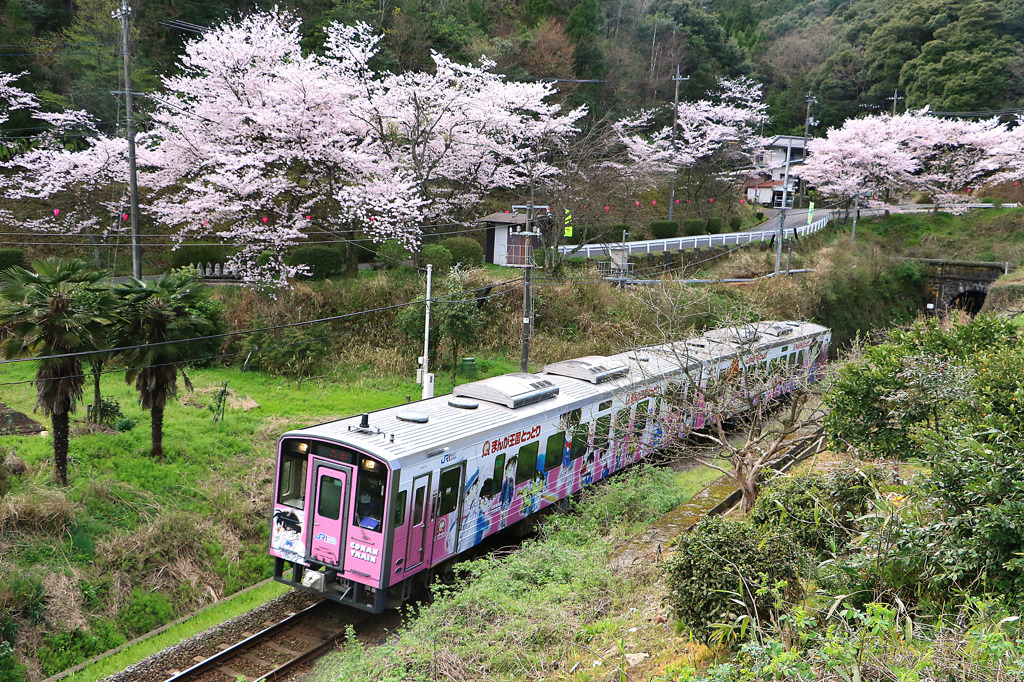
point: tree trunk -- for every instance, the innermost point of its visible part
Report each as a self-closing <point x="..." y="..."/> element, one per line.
<point x="97" y="405"/>
<point x="60" y="445"/>
<point x="156" y="416"/>
<point x="351" y="263"/>
<point x="749" y="490"/>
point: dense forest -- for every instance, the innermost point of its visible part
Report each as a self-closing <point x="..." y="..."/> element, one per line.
<point x="855" y="56"/>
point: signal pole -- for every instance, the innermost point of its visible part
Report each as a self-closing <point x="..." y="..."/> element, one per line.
<point x="675" y="124"/>
<point x="895" y="98"/>
<point x="133" y="183"/>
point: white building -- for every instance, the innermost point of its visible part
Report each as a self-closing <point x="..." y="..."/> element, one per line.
<point x="765" y="186"/>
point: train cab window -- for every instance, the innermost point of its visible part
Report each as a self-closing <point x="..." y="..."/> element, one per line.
<point x="329" y="501"/>
<point x="449" y="491"/>
<point x="800" y="359"/>
<point x="526" y="467"/>
<point x="291" y="477"/>
<point x="370" y="485"/>
<point x="604" y="425"/>
<point x="400" y="508"/>
<point x="553" y="451"/>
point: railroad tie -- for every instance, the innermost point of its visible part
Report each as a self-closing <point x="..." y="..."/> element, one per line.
<point x="234" y="674"/>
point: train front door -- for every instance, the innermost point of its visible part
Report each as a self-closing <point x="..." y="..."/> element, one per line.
<point x="327" y="536"/>
<point x="418" y="550"/>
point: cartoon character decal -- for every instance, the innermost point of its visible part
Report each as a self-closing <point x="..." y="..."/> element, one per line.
<point x="286" y="535"/>
<point x="508" y="488"/>
<point x="474" y="523"/>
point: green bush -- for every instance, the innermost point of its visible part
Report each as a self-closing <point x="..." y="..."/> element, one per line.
<point x="691" y="228"/>
<point x="759" y="216"/>
<point x="715" y="225"/>
<point x="730" y="573"/>
<point x="124" y="424"/>
<point x="735" y="223"/>
<point x="23" y="594"/>
<point x="10" y="669"/>
<point x="11" y="258"/>
<point x="664" y="229"/>
<point x="108" y="412"/>
<point x="146" y="611"/>
<point x="392" y="253"/>
<point x="322" y="261"/>
<point x="204" y="253"/>
<point x="438" y="256"/>
<point x="464" y="250"/>
<point x="818" y="511"/>
<point x="66" y="649"/>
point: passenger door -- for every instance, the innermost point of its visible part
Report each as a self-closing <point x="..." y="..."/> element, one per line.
<point x="327" y="536"/>
<point x="417" y="551"/>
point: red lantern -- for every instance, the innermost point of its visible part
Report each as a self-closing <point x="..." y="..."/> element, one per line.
<point x="607" y="208"/>
<point x="56" y="212"/>
<point x="265" y="220"/>
<point x="654" y="202"/>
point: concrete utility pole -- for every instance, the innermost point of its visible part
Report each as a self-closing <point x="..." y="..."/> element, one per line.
<point x="808" y="121"/>
<point x="895" y="98"/>
<point x="782" y="213"/>
<point x="675" y="124"/>
<point x="133" y="183"/>
<point x="426" y="378"/>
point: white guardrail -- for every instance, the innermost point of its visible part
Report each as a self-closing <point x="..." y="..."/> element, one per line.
<point x="699" y="241"/>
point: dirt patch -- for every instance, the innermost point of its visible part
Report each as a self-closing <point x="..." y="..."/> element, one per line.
<point x="207" y="397"/>
<point x="14" y="423"/>
<point x="64" y="601"/>
<point x="87" y="428"/>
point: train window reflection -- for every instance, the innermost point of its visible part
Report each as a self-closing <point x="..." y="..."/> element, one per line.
<point x="449" y="491"/>
<point x="417" y="510"/>
<point x="370" y="486"/>
<point x="291" y="480"/>
<point x="400" y="508"/>
<point x="526" y="467"/>
<point x="553" y="451"/>
<point x="329" y="504"/>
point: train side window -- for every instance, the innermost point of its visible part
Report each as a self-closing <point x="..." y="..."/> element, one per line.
<point x="291" y="480"/>
<point x="579" y="443"/>
<point x="622" y="424"/>
<point x="640" y="422"/>
<point x="553" y="451"/>
<point x="329" y="504"/>
<point x="400" y="508"/>
<point x="449" y="491"/>
<point x="526" y="467"/>
<point x="570" y="420"/>
<point x="606" y="405"/>
<point x="417" y="508"/>
<point x="493" y="484"/>
<point x="601" y="429"/>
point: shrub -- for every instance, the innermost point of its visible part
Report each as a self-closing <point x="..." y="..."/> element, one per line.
<point x="124" y="424"/>
<point x="715" y="225"/>
<point x="5" y="478"/>
<point x="204" y="253"/>
<point x="817" y="511"/>
<point x="23" y="595"/>
<point x="438" y="256"/>
<point x="12" y="258"/>
<point x="693" y="227"/>
<point x="759" y="216"/>
<point x="108" y="412"/>
<point x="464" y="250"/>
<point x="729" y="572"/>
<point x="146" y="611"/>
<point x="63" y="650"/>
<point x="392" y="253"/>
<point x="664" y="229"/>
<point x="10" y="669"/>
<point x="735" y="223"/>
<point x="322" y="261"/>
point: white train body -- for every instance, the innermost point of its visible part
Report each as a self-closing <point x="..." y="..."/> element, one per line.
<point x="368" y="507"/>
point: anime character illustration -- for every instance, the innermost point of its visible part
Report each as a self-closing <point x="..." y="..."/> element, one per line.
<point x="286" y="536"/>
<point x="474" y="523"/>
<point x="564" y="481"/>
<point x="587" y="473"/>
<point x="508" y="487"/>
<point x="532" y="494"/>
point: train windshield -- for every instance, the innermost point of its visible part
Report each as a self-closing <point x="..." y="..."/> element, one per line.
<point x="291" y="478"/>
<point x="371" y="484"/>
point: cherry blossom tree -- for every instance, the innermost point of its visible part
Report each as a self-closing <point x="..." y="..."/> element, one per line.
<point x="914" y="151"/>
<point x="729" y="117"/>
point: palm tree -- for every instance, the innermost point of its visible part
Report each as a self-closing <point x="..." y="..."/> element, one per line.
<point x="153" y="315"/>
<point x="52" y="312"/>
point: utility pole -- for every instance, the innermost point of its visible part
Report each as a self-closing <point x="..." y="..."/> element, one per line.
<point x="895" y="98"/>
<point x="810" y="99"/>
<point x="856" y="212"/>
<point x="133" y="183"/>
<point x="524" y="350"/>
<point x="782" y="213"/>
<point x="675" y="124"/>
<point x="425" y="377"/>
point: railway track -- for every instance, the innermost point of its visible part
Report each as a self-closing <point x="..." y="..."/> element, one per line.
<point x="275" y="652"/>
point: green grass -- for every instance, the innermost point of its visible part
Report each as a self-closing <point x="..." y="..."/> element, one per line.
<point x="202" y="621"/>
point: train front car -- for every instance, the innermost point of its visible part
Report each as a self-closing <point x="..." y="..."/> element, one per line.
<point x="329" y="521"/>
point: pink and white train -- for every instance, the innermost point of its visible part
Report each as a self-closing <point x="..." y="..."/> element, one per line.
<point x="368" y="508"/>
